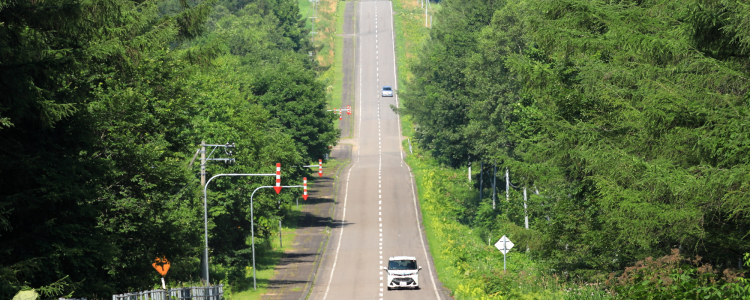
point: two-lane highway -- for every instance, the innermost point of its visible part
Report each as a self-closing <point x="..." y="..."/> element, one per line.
<point x="377" y="211"/>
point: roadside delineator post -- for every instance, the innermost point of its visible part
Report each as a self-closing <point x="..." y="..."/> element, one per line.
<point x="304" y="184"/>
<point x="338" y="111"/>
<point x="277" y="188"/>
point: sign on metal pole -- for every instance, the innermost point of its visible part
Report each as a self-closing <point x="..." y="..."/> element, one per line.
<point x="161" y="264"/>
<point x="504" y="245"/>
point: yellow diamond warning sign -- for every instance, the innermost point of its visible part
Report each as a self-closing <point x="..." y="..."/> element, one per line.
<point x="161" y="264"/>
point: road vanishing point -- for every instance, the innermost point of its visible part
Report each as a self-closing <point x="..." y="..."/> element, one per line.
<point x="377" y="211"/>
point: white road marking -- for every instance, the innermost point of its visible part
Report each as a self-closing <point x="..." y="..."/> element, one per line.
<point x="341" y="232"/>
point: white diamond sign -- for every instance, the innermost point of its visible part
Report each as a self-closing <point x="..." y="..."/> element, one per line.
<point x="504" y="245"/>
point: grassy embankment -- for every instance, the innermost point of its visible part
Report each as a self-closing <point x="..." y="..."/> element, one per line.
<point x="466" y="262"/>
<point x="329" y="26"/>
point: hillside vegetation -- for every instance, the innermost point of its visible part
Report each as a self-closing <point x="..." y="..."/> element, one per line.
<point x="103" y="106"/>
<point x="626" y="122"/>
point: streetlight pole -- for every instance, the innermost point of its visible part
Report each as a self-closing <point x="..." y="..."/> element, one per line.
<point x="252" y="226"/>
<point x="205" y="214"/>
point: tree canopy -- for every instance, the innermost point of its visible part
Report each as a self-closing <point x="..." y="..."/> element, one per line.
<point x="629" y="117"/>
<point x="103" y="106"/>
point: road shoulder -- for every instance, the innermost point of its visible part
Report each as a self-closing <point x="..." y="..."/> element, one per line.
<point x="297" y="269"/>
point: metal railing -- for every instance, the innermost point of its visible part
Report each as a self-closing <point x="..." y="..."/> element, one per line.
<point x="186" y="293"/>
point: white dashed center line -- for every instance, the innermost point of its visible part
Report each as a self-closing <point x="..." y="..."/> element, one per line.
<point x="380" y="152"/>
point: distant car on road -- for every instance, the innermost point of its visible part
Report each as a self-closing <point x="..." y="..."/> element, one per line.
<point x="387" y="91"/>
<point x="403" y="272"/>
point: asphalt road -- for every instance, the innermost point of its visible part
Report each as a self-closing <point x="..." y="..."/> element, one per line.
<point x="377" y="210"/>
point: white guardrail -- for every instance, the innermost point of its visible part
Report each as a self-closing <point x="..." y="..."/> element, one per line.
<point x="187" y="293"/>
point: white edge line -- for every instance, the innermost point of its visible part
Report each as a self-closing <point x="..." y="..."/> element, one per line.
<point x="346" y="193"/>
<point x="395" y="76"/>
<point x="341" y="233"/>
<point x="359" y="130"/>
<point x="413" y="194"/>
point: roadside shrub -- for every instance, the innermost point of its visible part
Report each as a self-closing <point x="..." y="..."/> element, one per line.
<point x="676" y="277"/>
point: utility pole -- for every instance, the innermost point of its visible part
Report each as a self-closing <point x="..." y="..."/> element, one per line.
<point x="481" y="179"/>
<point x="507" y="185"/>
<point x="494" y="184"/>
<point x="425" y="15"/>
<point x="469" y="170"/>
<point x="204" y="159"/>
<point x="525" y="213"/>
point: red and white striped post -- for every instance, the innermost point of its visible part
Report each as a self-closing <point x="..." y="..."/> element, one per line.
<point x="320" y="168"/>
<point x="277" y="188"/>
<point x="304" y="186"/>
<point x="348" y="110"/>
<point x="340" y="116"/>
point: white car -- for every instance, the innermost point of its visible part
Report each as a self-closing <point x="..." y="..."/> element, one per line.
<point x="403" y="272"/>
<point x="387" y="91"/>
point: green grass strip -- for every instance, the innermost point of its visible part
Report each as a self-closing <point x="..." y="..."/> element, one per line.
<point x="338" y="57"/>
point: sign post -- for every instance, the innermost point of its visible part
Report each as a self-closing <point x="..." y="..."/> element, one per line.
<point x="161" y="264"/>
<point x="252" y="226"/>
<point x="504" y="245"/>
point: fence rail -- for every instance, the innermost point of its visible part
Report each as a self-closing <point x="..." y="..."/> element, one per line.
<point x="187" y="293"/>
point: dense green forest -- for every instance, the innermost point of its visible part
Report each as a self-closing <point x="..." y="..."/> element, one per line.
<point x="103" y="105"/>
<point x="630" y="118"/>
